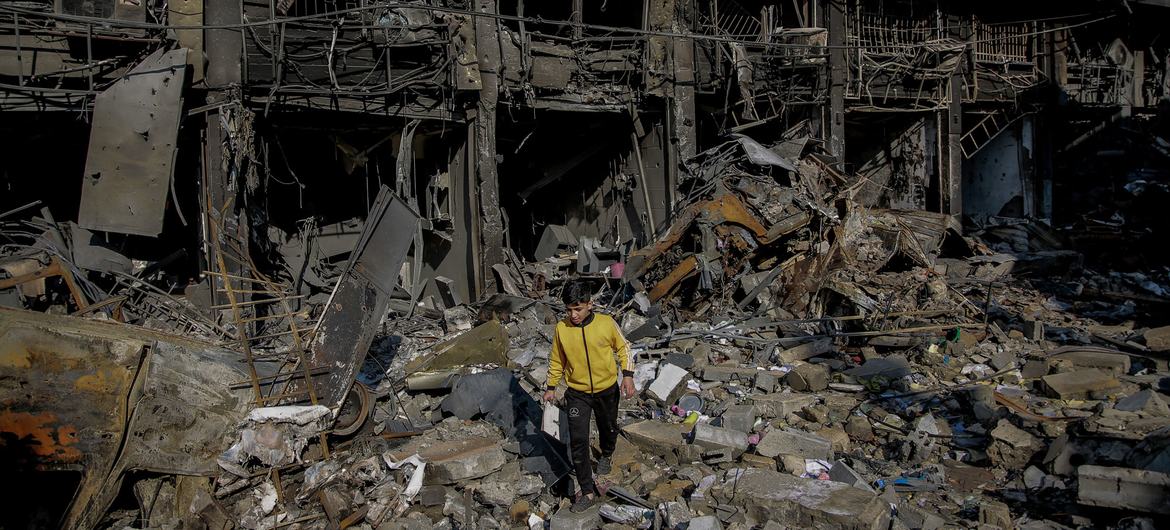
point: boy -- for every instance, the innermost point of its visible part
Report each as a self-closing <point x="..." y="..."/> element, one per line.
<point x="583" y="350"/>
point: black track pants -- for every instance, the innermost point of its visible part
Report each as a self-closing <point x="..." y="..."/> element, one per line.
<point x="604" y="405"/>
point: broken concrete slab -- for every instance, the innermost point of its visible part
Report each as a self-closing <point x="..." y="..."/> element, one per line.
<point x="1147" y="401"/>
<point x="771" y="495"/>
<point x="995" y="513"/>
<point x="565" y="519"/>
<point x="808" y="378"/>
<point x="782" y="404"/>
<point x="669" y="377"/>
<point x="841" y="472"/>
<point x="766" y="381"/>
<point x="675" y="515"/>
<point x="794" y="442"/>
<point x="1129" y="489"/>
<point x="1158" y="339"/>
<point x="711" y="437"/>
<point x="1111" y="361"/>
<point x="740" y="418"/>
<point x="1012" y="447"/>
<point x="888" y="368"/>
<point x="452" y="461"/>
<point x="804" y="351"/>
<point x="837" y="437"/>
<point x="1033" y="329"/>
<point x="1079" y="384"/>
<point x="859" y="428"/>
<point x="706" y="522"/>
<point x="727" y="374"/>
<point x="758" y="461"/>
<point x="657" y="437"/>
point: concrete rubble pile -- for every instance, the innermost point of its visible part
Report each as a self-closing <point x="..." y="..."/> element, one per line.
<point x="801" y="361"/>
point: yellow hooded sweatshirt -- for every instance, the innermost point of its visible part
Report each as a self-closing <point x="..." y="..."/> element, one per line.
<point x="585" y="354"/>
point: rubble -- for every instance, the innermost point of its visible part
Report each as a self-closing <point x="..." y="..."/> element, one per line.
<point x="246" y="315"/>
<point x="1133" y="489"/>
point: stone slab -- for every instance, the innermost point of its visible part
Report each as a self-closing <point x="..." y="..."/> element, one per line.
<point x="1079" y="384"/>
<point x="794" y="442"/>
<point x="804" y="351"/>
<point x="727" y="374"/>
<point x="1123" y="488"/>
<point x="711" y="437"/>
<point x="657" y="437"/>
<point x="804" y="503"/>
<point x="565" y="519"/>
<point x="452" y="461"/>
<point x="740" y="418"/>
<point x="782" y="404"/>
<point x="1113" y="363"/>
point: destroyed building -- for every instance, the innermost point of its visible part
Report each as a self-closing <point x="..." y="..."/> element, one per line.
<point x="295" y="263"/>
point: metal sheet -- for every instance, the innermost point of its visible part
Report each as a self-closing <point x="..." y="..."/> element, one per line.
<point x="387" y="236"/>
<point x="64" y="397"/>
<point x="362" y="296"/>
<point x="182" y="419"/>
<point x="131" y="147"/>
<point x="104" y="398"/>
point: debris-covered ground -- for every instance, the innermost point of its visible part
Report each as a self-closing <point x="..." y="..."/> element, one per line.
<point x="801" y="361"/>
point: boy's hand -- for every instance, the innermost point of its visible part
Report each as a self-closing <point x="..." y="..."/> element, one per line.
<point x="550" y="395"/>
<point x="627" y="387"/>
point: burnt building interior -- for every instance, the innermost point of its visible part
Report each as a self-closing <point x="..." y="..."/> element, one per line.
<point x="216" y="214"/>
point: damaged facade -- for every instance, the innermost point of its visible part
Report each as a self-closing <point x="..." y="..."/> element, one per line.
<point x="295" y="263"/>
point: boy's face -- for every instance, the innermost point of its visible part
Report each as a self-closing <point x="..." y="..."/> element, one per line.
<point x="578" y="312"/>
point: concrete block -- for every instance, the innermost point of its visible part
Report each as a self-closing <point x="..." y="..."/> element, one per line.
<point x="859" y="428"/>
<point x="669" y="490"/>
<point x="766" y="381"/>
<point x="718" y="456"/>
<point x="1113" y="363"/>
<point x="1123" y="488"/>
<point x="1033" y="330"/>
<point x="432" y="495"/>
<point x="1147" y="402"/>
<point x="706" y="522"/>
<point x="808" y="378"/>
<point x="804" y="503"/>
<point x="675" y="515"/>
<point x="837" y="437"/>
<point x="452" y="461"/>
<point x="669" y="377"/>
<point x="996" y="514"/>
<point x="1003" y="360"/>
<point x="1011" y="447"/>
<point x="1034" y="369"/>
<point x="781" y="405"/>
<point x="711" y="437"/>
<point x="1079" y="384"/>
<point x="1158" y="339"/>
<point x="759" y="461"/>
<point x="911" y="516"/>
<point x="794" y="442"/>
<point x="841" y="472"/>
<point x="740" y="417"/>
<point x="565" y="519"/>
<point x="657" y="437"/>
<point x="727" y="374"/>
<point x="804" y="351"/>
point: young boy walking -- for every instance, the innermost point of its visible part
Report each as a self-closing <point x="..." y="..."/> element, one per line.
<point x="584" y="349"/>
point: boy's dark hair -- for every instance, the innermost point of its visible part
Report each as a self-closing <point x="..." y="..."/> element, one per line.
<point x="576" y="292"/>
